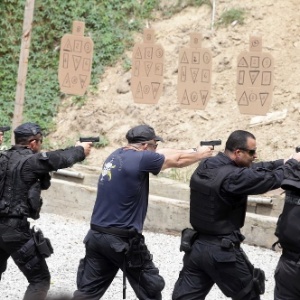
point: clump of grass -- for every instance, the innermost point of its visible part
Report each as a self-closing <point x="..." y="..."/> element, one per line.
<point x="230" y="16"/>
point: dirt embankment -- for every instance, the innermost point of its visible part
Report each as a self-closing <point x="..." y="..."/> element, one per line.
<point x="111" y="110"/>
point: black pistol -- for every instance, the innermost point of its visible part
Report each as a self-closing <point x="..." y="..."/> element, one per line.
<point x="297" y="149"/>
<point x="89" y="139"/>
<point x="212" y="143"/>
<point x="4" y="128"/>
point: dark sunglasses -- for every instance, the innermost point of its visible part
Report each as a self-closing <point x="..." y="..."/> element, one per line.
<point x="250" y="151"/>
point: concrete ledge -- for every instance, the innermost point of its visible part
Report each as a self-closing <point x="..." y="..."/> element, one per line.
<point x="165" y="215"/>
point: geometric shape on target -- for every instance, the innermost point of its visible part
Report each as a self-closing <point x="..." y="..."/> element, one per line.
<point x="82" y="79"/>
<point x="65" y="60"/>
<point x="263" y="98"/>
<point x="243" y="63"/>
<point x="76" y="61"/>
<point x="254" y="62"/>
<point x="204" y="94"/>
<point x="138" y="54"/>
<point x="241" y="78"/>
<point x="194" y="74"/>
<point x="184" y="59"/>
<point x="194" y="96"/>
<point x="253" y="75"/>
<point x="205" y="76"/>
<point x="244" y="100"/>
<point x="266" y="78"/>
<point x="155" y="88"/>
<point x="139" y="91"/>
<point x="67" y="82"/>
<point x="185" y="99"/>
<point x="67" y="46"/>
<point x="148" y="52"/>
<point x="148" y="65"/>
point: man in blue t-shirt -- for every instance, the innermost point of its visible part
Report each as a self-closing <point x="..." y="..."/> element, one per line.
<point x="115" y="239"/>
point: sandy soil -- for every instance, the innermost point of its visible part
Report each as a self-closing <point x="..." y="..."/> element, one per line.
<point x="110" y="110"/>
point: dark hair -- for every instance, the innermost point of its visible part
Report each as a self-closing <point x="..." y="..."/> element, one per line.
<point x="25" y="140"/>
<point x="238" y="139"/>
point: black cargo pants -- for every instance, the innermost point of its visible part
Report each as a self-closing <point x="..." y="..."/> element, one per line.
<point x="105" y="254"/>
<point x="287" y="277"/>
<point x="14" y="234"/>
<point x="208" y="263"/>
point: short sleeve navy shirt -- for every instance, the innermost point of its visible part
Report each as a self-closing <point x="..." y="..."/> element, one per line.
<point x="123" y="188"/>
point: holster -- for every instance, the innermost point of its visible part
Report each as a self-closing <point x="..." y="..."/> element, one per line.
<point x="137" y="253"/>
<point x="188" y="236"/>
<point x="259" y="281"/>
<point x="43" y="244"/>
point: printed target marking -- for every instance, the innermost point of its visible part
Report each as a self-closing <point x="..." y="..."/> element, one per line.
<point x="204" y="94"/>
<point x="183" y="74"/>
<point x="253" y="75"/>
<point x="195" y="58"/>
<point x="86" y="64"/>
<point x="185" y="98"/>
<point x="77" y="46"/>
<point x="74" y="80"/>
<point x="148" y="66"/>
<point x="194" y="74"/>
<point x="241" y="78"/>
<point x="136" y="68"/>
<point x="266" y="63"/>
<point x="243" y="63"/>
<point x="266" y="78"/>
<point x="244" y="100"/>
<point x="155" y="88"/>
<point x="205" y="76"/>
<point x="138" y="54"/>
<point x="66" y="82"/>
<point x="252" y="97"/>
<point x="65" y="60"/>
<point x="184" y="59"/>
<point x="159" y="69"/>
<point x="148" y="53"/>
<point x="68" y="46"/>
<point x="76" y="61"/>
<point x="139" y="91"/>
<point x="82" y="79"/>
<point x="263" y="98"/>
<point x="206" y="58"/>
<point x="87" y="47"/>
<point x="254" y="62"/>
<point x="146" y="89"/>
<point x="159" y="53"/>
<point x="194" y="96"/>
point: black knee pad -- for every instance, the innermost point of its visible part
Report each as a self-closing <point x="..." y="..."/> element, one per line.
<point x="151" y="281"/>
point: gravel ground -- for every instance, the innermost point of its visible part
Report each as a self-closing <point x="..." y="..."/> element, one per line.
<point x="66" y="236"/>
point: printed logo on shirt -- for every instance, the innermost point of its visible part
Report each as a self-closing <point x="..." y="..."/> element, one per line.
<point x="106" y="171"/>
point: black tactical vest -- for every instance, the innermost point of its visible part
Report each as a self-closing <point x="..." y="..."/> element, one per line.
<point x="13" y="190"/>
<point x="210" y="213"/>
<point x="288" y="225"/>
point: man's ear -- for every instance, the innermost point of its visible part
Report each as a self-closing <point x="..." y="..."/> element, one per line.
<point x="32" y="145"/>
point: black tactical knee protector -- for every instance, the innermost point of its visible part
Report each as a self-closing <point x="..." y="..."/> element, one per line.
<point x="151" y="281"/>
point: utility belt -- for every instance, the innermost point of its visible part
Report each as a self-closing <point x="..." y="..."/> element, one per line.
<point x="188" y="237"/>
<point x="119" y="232"/>
<point x="294" y="256"/>
<point x="13" y="221"/>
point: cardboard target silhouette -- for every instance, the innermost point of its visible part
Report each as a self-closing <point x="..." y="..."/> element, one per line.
<point x="75" y="61"/>
<point x="194" y="74"/>
<point x="147" y="70"/>
<point x="255" y="74"/>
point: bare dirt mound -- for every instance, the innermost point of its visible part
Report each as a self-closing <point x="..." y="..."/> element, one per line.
<point x="111" y="111"/>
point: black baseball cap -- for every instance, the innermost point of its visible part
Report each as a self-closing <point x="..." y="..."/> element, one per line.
<point x="4" y="128"/>
<point x="27" y="129"/>
<point x="142" y="133"/>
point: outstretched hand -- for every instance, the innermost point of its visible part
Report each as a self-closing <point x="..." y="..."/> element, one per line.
<point x="87" y="146"/>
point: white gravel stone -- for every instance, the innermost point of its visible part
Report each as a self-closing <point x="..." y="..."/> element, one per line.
<point x="67" y="234"/>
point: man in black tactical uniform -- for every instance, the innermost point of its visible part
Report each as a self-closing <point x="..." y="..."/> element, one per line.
<point x="219" y="189"/>
<point x="24" y="172"/>
<point x="287" y="273"/>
